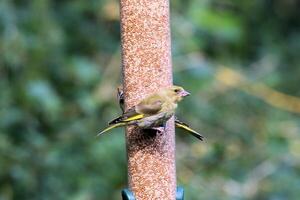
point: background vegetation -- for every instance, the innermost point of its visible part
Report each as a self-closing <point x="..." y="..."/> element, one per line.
<point x="60" y="65"/>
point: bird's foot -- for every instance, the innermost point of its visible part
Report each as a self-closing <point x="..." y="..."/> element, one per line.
<point x="159" y="130"/>
<point x="152" y="132"/>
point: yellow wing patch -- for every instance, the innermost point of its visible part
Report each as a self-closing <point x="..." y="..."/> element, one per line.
<point x="135" y="117"/>
<point x="111" y="127"/>
<point x="185" y="127"/>
<point x="193" y="132"/>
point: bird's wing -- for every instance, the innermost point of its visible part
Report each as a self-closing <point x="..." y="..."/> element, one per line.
<point x="138" y="112"/>
<point x="180" y="124"/>
<point x="111" y="127"/>
<point x="128" y="116"/>
<point x="150" y="107"/>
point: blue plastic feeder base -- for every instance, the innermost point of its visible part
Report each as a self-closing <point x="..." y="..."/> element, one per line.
<point x="128" y="195"/>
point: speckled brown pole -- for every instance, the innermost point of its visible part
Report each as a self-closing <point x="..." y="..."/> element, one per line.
<point x="146" y="61"/>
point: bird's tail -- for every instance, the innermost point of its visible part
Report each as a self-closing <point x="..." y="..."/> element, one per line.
<point x="186" y="127"/>
<point x="111" y="127"/>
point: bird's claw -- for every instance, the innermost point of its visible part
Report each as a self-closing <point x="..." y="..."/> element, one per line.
<point x="154" y="131"/>
<point x="159" y="130"/>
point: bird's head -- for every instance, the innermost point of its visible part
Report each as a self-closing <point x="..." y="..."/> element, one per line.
<point x="177" y="93"/>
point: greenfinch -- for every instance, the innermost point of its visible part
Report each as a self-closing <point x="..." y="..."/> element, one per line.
<point x="184" y="126"/>
<point x="153" y="111"/>
<point x="178" y="123"/>
<point x="150" y="120"/>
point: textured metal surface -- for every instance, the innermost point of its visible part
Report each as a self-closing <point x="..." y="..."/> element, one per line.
<point x="146" y="61"/>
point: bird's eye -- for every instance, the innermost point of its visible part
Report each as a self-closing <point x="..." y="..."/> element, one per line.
<point x="176" y="90"/>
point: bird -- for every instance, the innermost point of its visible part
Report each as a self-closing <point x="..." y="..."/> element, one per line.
<point x="186" y="127"/>
<point x="178" y="123"/>
<point x="151" y="112"/>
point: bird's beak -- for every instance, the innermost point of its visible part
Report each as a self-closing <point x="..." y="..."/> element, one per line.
<point x="184" y="93"/>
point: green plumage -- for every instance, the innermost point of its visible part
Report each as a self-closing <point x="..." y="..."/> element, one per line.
<point x="153" y="111"/>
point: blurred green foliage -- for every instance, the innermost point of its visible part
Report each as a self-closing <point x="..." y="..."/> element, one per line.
<point x="59" y="66"/>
